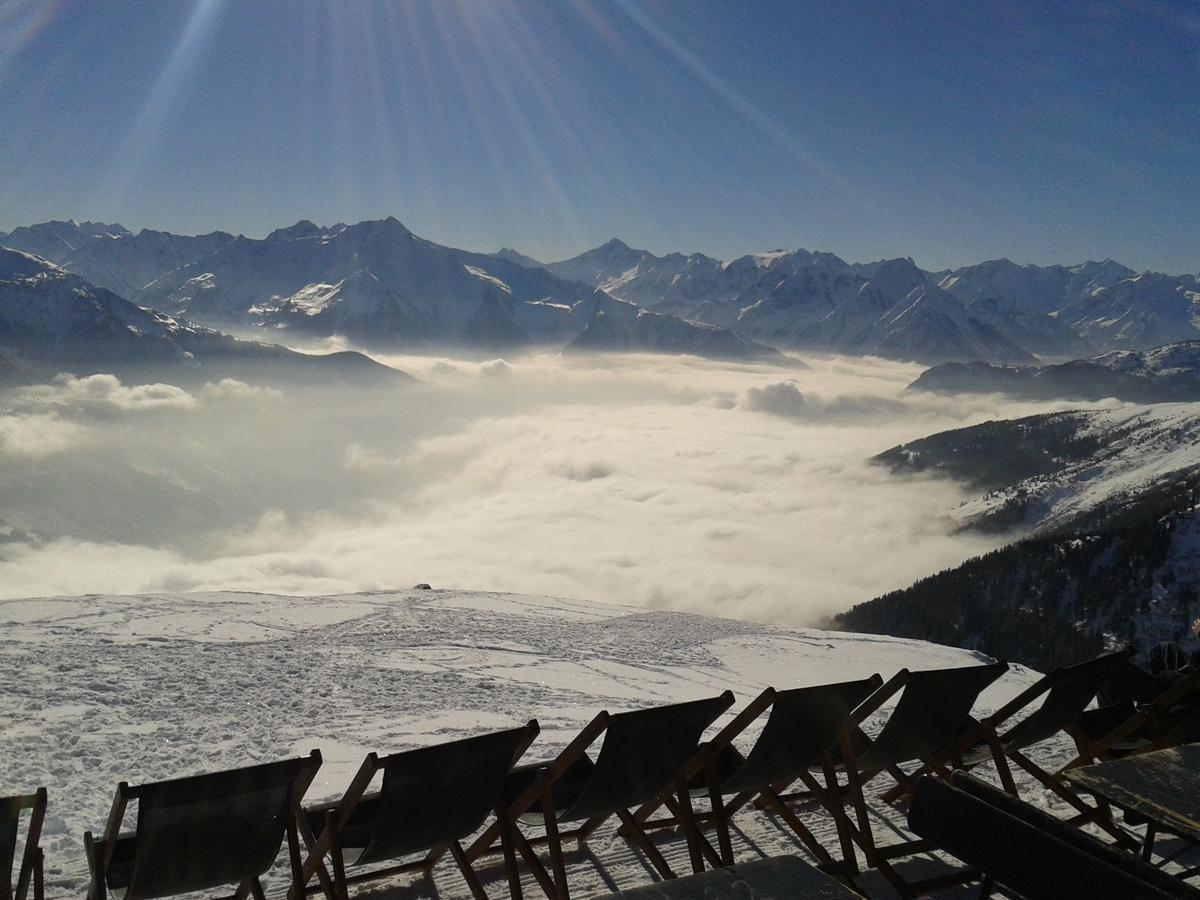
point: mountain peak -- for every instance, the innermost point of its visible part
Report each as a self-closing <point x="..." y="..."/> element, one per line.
<point x="302" y="229"/>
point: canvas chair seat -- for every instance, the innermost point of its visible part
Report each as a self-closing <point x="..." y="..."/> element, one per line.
<point x="728" y="763"/>
<point x="430" y="799"/>
<point x="355" y="833"/>
<point x="120" y="869"/>
<point x="565" y="790"/>
<point x="200" y="832"/>
<point x="802" y="727"/>
<point x="643" y="753"/>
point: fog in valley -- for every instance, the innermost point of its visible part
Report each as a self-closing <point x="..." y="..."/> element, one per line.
<point x="670" y="482"/>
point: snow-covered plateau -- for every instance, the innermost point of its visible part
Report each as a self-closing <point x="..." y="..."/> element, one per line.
<point x="98" y="689"/>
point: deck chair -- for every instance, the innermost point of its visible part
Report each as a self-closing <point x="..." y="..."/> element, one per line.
<point x="1121" y="729"/>
<point x="431" y="799"/>
<point x="201" y="832"/>
<point x="643" y="752"/>
<point x="933" y="710"/>
<point x="1065" y="694"/>
<point x="803" y="726"/>
<point x="30" y="873"/>
<point x="1012" y="844"/>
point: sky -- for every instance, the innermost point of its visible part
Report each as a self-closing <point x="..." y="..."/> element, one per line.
<point x="949" y="132"/>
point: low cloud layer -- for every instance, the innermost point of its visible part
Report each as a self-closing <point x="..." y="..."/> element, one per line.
<point x="739" y="490"/>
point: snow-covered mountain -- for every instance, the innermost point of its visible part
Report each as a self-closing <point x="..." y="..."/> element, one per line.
<point x="1167" y="373"/>
<point x="1037" y="288"/>
<point x="438" y="288"/>
<point x="112" y="257"/>
<point x="647" y="331"/>
<point x="1064" y="596"/>
<point x="377" y="282"/>
<point x="818" y="301"/>
<point x="358" y="306"/>
<point x="52" y="319"/>
<point x="1056" y="470"/>
<point x="1106" y="304"/>
<point x="91" y="687"/>
<point x="1109" y="502"/>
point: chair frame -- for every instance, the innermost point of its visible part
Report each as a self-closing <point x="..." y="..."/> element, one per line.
<point x="986" y="730"/>
<point x="541" y="792"/>
<point x="329" y="843"/>
<point x="99" y="854"/>
<point x="705" y="761"/>
<point x="30" y="872"/>
<point x="1148" y="719"/>
<point x="858" y="829"/>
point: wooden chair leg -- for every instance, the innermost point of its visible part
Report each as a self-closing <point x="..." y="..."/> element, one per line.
<point x="468" y="873"/>
<point x="1148" y="843"/>
<point x="256" y="889"/>
<point x="340" y="888"/>
<point x="98" y="890"/>
<point x="510" y="857"/>
<point x="297" y="864"/>
<point x="550" y="817"/>
<point x="691" y="833"/>
<point x="1098" y="815"/>
<point x="310" y="841"/>
<point x="837" y="809"/>
<point x="39" y="887"/>
<point x="810" y="840"/>
<point x="673" y="806"/>
<point x="720" y="812"/>
<point x="535" y="865"/>
<point x="643" y="840"/>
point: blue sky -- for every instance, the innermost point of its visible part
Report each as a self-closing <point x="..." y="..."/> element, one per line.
<point x="948" y="131"/>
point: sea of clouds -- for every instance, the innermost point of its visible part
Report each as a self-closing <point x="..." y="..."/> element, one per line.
<point x="741" y="490"/>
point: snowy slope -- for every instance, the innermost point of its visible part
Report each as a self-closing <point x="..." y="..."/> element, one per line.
<point x="112" y="257"/>
<point x="1046" y="471"/>
<point x="53" y="319"/>
<point x="96" y="689"/>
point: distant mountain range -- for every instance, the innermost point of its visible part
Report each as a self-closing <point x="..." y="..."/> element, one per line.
<point x="379" y="284"/>
<point x="52" y="320"/>
<point x="1161" y="374"/>
<point x="1109" y="501"/>
<point x="375" y="283"/>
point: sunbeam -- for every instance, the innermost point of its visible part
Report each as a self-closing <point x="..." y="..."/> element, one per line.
<point x="175" y="79"/>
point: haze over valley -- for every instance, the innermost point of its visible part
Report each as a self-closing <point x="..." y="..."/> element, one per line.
<point x="741" y="490"/>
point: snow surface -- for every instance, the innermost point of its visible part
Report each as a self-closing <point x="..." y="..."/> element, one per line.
<point x="1141" y="446"/>
<point x="98" y="689"/>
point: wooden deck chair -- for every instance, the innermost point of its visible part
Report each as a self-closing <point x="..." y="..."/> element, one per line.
<point x="430" y="799"/>
<point x="201" y="832"/>
<point x="803" y="726"/>
<point x="1025" y="850"/>
<point x="30" y="873"/>
<point x="1065" y="694"/>
<point x="932" y="712"/>
<point x="643" y="752"/>
<point x="1122" y="729"/>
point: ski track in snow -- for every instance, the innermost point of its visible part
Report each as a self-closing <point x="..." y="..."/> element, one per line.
<point x="99" y="689"/>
